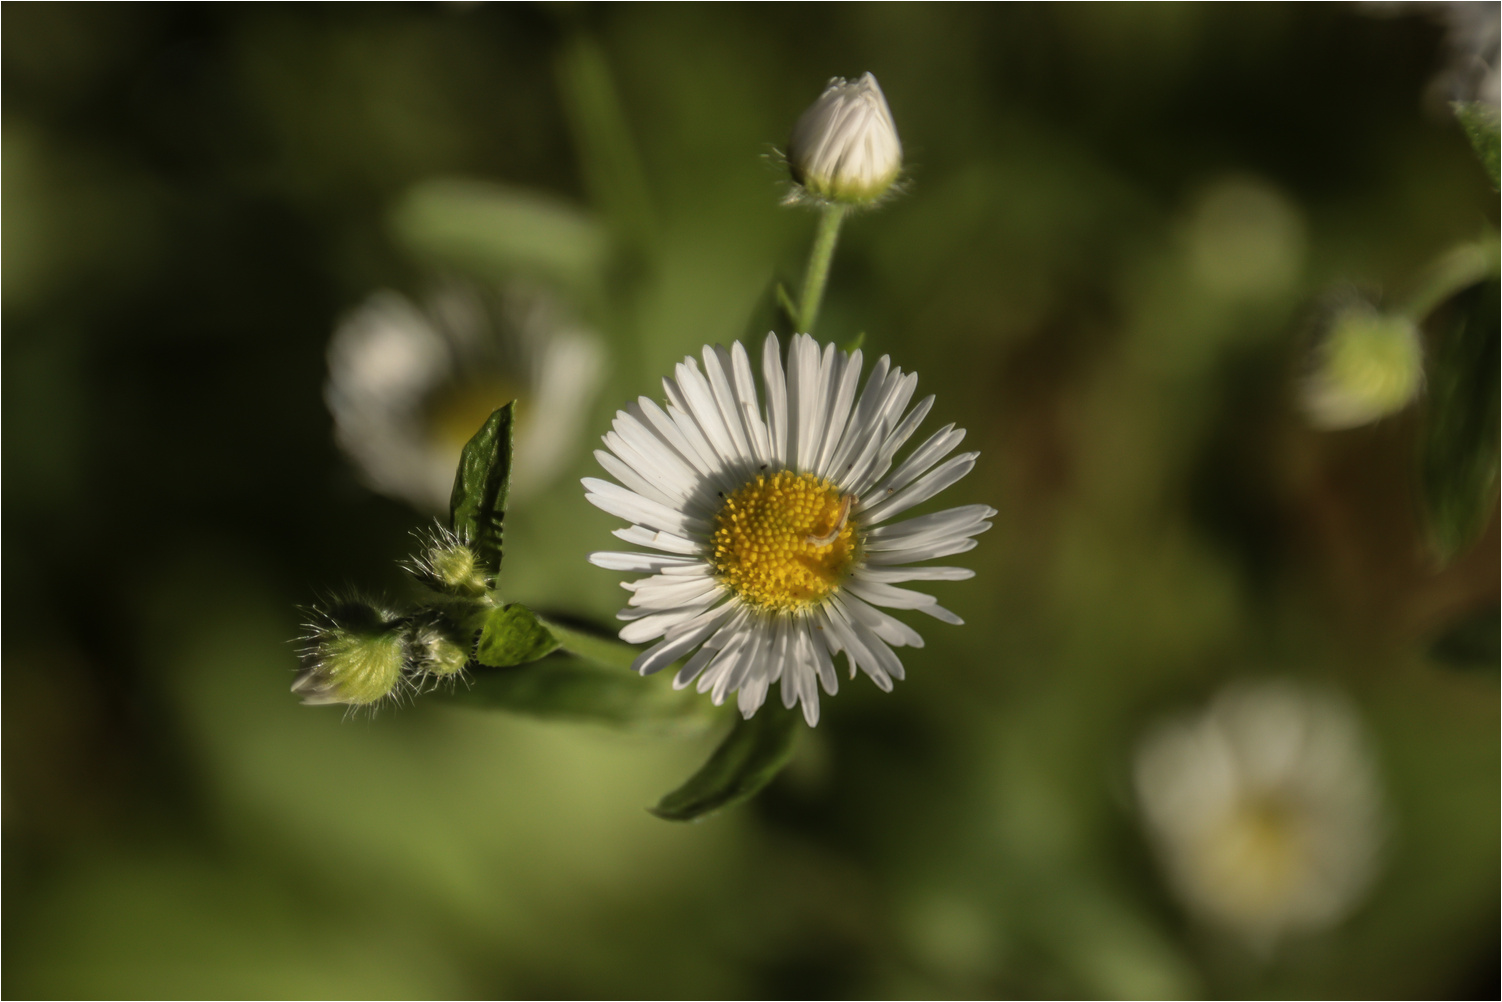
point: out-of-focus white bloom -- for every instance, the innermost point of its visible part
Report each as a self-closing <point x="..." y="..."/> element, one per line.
<point x="1264" y="809"/>
<point x="773" y="528"/>
<point x="409" y="385"/>
<point x="1366" y="365"/>
<point x="1473" y="37"/>
<point x="844" y="148"/>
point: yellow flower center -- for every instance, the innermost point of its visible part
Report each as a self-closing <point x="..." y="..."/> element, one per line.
<point x="784" y="540"/>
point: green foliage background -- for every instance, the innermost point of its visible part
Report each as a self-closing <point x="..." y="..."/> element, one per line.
<point x="1117" y="215"/>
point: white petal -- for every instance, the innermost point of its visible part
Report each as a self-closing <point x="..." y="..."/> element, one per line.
<point x="940" y="444"/>
<point x="889" y="628"/>
<point x="680" y="643"/>
<point x="839" y="409"/>
<point x="724" y="397"/>
<point x="777" y="398"/>
<point x="641" y="563"/>
<point x="750" y="408"/>
<point x="641" y="536"/>
<point x="896" y="575"/>
<point x="946" y="547"/>
<point x="925" y="487"/>
<point x="633" y="507"/>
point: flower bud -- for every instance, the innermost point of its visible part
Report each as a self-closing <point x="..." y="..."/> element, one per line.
<point x="1366" y="365"/>
<point x="845" y="147"/>
<point x="436" y="653"/>
<point x="354" y="654"/>
<point x="448" y="566"/>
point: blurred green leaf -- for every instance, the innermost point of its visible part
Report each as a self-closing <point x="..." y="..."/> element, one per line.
<point x="512" y="635"/>
<point x="854" y="344"/>
<point x="497" y="231"/>
<point x="1459" y="458"/>
<point x="1474" y="643"/>
<point x="564" y="686"/>
<point x="477" y="507"/>
<point x="605" y="650"/>
<point x="1479" y="120"/>
<point x="755" y="751"/>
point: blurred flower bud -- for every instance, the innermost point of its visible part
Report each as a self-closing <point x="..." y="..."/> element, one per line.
<point x="1365" y="366"/>
<point x="448" y="566"/>
<point x="845" y="147"/>
<point x="355" y="652"/>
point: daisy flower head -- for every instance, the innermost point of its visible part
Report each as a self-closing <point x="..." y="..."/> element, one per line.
<point x="774" y="545"/>
<point x="409" y="383"/>
<point x="1265" y="809"/>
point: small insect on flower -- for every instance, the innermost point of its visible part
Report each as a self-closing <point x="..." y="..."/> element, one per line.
<point x="773" y="530"/>
<point x="844" y="148"/>
<point x="1264" y="809"/>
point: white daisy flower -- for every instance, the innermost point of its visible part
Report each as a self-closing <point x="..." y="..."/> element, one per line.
<point x="408" y="385"/>
<point x="1264" y="809"/>
<point x="773" y="530"/>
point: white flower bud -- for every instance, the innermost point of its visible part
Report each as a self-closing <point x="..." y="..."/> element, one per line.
<point x="845" y="146"/>
<point x="1366" y="365"/>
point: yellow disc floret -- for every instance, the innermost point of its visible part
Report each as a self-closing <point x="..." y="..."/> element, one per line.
<point x="784" y="540"/>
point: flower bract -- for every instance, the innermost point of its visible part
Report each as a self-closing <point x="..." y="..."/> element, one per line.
<point x="774" y="545"/>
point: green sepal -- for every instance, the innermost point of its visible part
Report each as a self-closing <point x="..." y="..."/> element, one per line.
<point x="512" y="635"/>
<point x="1474" y="643"/>
<point x="1459" y="459"/>
<point x="1479" y="121"/>
<point x="565" y="687"/>
<point x="477" y="507"/>
<point x="750" y="756"/>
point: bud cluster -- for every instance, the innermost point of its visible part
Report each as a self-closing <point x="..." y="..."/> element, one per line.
<point x="359" y="652"/>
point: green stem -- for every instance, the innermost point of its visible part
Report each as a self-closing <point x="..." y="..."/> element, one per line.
<point x="1457" y="269"/>
<point x="817" y="273"/>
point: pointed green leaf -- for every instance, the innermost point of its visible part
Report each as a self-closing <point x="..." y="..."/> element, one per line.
<point x="564" y="687"/>
<point x="477" y="508"/>
<point x="512" y="635"/>
<point x="854" y="344"/>
<point x="1459" y="460"/>
<point x="1474" y="643"/>
<point x="1479" y="120"/>
<point x="748" y="758"/>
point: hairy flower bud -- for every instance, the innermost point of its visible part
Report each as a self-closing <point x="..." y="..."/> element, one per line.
<point x="354" y="653"/>
<point x="845" y="146"/>
<point x="448" y="566"/>
<point x="436" y="651"/>
<point x="1366" y="365"/>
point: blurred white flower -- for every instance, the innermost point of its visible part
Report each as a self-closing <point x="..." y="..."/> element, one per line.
<point x="844" y="148"/>
<point x="1264" y="809"/>
<point x="409" y="385"/>
<point x="1365" y="365"/>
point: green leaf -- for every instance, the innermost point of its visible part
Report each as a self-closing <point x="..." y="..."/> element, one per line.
<point x="605" y="650"/>
<point x="748" y="758"/>
<point x="512" y="635"/>
<point x="1473" y="643"/>
<point x="1479" y="120"/>
<point x="1459" y="460"/>
<point x="562" y="686"/>
<point x="477" y="507"/>
<point x="854" y="344"/>
<point x="495" y="231"/>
